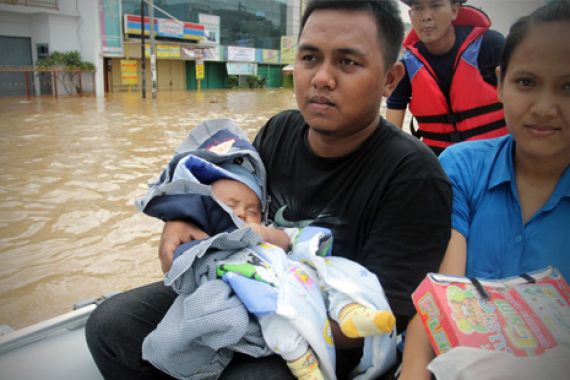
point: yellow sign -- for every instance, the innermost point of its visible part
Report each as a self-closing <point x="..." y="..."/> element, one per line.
<point x="199" y="71"/>
<point x="288" y="49"/>
<point x="163" y="51"/>
<point x="129" y="75"/>
<point x="269" y="56"/>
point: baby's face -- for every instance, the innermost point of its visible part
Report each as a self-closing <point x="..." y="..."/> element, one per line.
<point x="240" y="198"/>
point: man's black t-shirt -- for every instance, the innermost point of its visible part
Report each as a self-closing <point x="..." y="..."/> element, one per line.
<point x="388" y="202"/>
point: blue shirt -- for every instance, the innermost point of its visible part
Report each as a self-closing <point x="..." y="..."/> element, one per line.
<point x="487" y="212"/>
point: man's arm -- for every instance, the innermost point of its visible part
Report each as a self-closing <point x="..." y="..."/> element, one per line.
<point x="490" y="55"/>
<point x="396" y="116"/>
<point x="417" y="348"/>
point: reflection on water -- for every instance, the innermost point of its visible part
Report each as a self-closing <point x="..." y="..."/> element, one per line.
<point x="70" y="170"/>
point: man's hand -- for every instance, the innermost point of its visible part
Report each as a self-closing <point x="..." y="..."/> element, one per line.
<point x="175" y="233"/>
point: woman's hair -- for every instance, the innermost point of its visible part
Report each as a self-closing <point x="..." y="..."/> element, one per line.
<point x="386" y="14"/>
<point x="553" y="11"/>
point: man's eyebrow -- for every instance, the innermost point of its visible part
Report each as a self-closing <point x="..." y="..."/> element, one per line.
<point x="343" y="51"/>
<point x="351" y="51"/>
<point x="307" y="47"/>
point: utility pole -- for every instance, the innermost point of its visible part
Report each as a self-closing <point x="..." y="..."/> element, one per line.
<point x="152" y="49"/>
<point x="143" y="66"/>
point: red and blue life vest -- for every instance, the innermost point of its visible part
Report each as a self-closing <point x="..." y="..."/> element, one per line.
<point x="472" y="110"/>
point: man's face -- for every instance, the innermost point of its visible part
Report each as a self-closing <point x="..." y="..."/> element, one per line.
<point x="432" y="19"/>
<point x="339" y="72"/>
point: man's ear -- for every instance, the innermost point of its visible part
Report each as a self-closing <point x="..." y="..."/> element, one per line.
<point x="393" y="77"/>
<point x="499" y="83"/>
<point x="455" y="7"/>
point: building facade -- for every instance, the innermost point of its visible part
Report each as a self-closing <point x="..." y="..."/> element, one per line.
<point x="197" y="43"/>
<point x="32" y="29"/>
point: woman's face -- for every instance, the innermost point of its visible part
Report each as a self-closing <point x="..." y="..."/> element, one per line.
<point x="535" y="92"/>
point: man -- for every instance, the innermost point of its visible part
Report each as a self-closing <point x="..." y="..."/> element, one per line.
<point x="450" y="82"/>
<point x="335" y="163"/>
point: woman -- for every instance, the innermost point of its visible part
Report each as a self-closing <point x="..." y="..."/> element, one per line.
<point x="511" y="195"/>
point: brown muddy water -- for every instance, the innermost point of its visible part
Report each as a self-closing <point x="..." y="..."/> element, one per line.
<point x="70" y="170"/>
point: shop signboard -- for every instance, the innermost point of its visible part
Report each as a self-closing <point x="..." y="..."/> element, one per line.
<point x="110" y="28"/>
<point x="212" y="35"/>
<point x="241" y="68"/>
<point x="288" y="49"/>
<point x="163" y="51"/>
<point x="200" y="69"/>
<point x="129" y="74"/>
<point x="170" y="28"/>
<point x="269" y="56"/>
<point x="241" y="54"/>
<point x="191" y="31"/>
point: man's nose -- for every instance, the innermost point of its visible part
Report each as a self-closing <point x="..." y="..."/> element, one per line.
<point x="324" y="76"/>
<point x="427" y="14"/>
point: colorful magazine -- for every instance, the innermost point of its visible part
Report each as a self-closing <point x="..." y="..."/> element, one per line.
<point x="522" y="315"/>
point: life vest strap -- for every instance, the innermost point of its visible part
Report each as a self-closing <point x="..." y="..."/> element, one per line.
<point x="456" y="117"/>
<point x="458" y="136"/>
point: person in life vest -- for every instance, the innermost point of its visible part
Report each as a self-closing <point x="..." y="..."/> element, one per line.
<point x="450" y="82"/>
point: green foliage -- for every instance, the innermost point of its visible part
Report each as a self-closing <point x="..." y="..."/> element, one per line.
<point x="233" y="81"/>
<point x="253" y="81"/>
<point x="69" y="60"/>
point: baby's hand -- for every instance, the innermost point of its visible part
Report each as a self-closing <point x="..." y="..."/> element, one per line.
<point x="271" y="235"/>
<point x="258" y="228"/>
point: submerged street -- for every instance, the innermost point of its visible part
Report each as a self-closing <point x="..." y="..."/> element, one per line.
<point x="71" y="169"/>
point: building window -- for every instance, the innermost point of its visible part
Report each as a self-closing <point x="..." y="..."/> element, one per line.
<point x="42" y="50"/>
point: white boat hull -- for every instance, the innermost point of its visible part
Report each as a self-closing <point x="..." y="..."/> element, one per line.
<point x="49" y="350"/>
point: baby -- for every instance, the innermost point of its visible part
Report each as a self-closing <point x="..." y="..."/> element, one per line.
<point x="293" y="286"/>
<point x="354" y="320"/>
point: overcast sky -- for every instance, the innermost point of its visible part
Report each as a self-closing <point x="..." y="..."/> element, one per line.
<point x="404" y="11"/>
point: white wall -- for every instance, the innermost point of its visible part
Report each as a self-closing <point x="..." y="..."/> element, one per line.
<point x="14" y="24"/>
<point x="88" y="30"/>
<point x="90" y="40"/>
<point x="69" y="6"/>
<point x="39" y="26"/>
<point x="504" y="13"/>
<point x="293" y="17"/>
<point x="63" y="33"/>
<point x="73" y="26"/>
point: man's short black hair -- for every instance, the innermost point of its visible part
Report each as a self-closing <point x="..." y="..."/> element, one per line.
<point x="386" y="14"/>
<point x="409" y="2"/>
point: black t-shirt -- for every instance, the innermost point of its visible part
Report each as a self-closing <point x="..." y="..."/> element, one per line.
<point x="388" y="202"/>
<point x="487" y="60"/>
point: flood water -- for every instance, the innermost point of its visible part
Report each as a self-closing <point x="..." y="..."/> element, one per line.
<point x="70" y="170"/>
